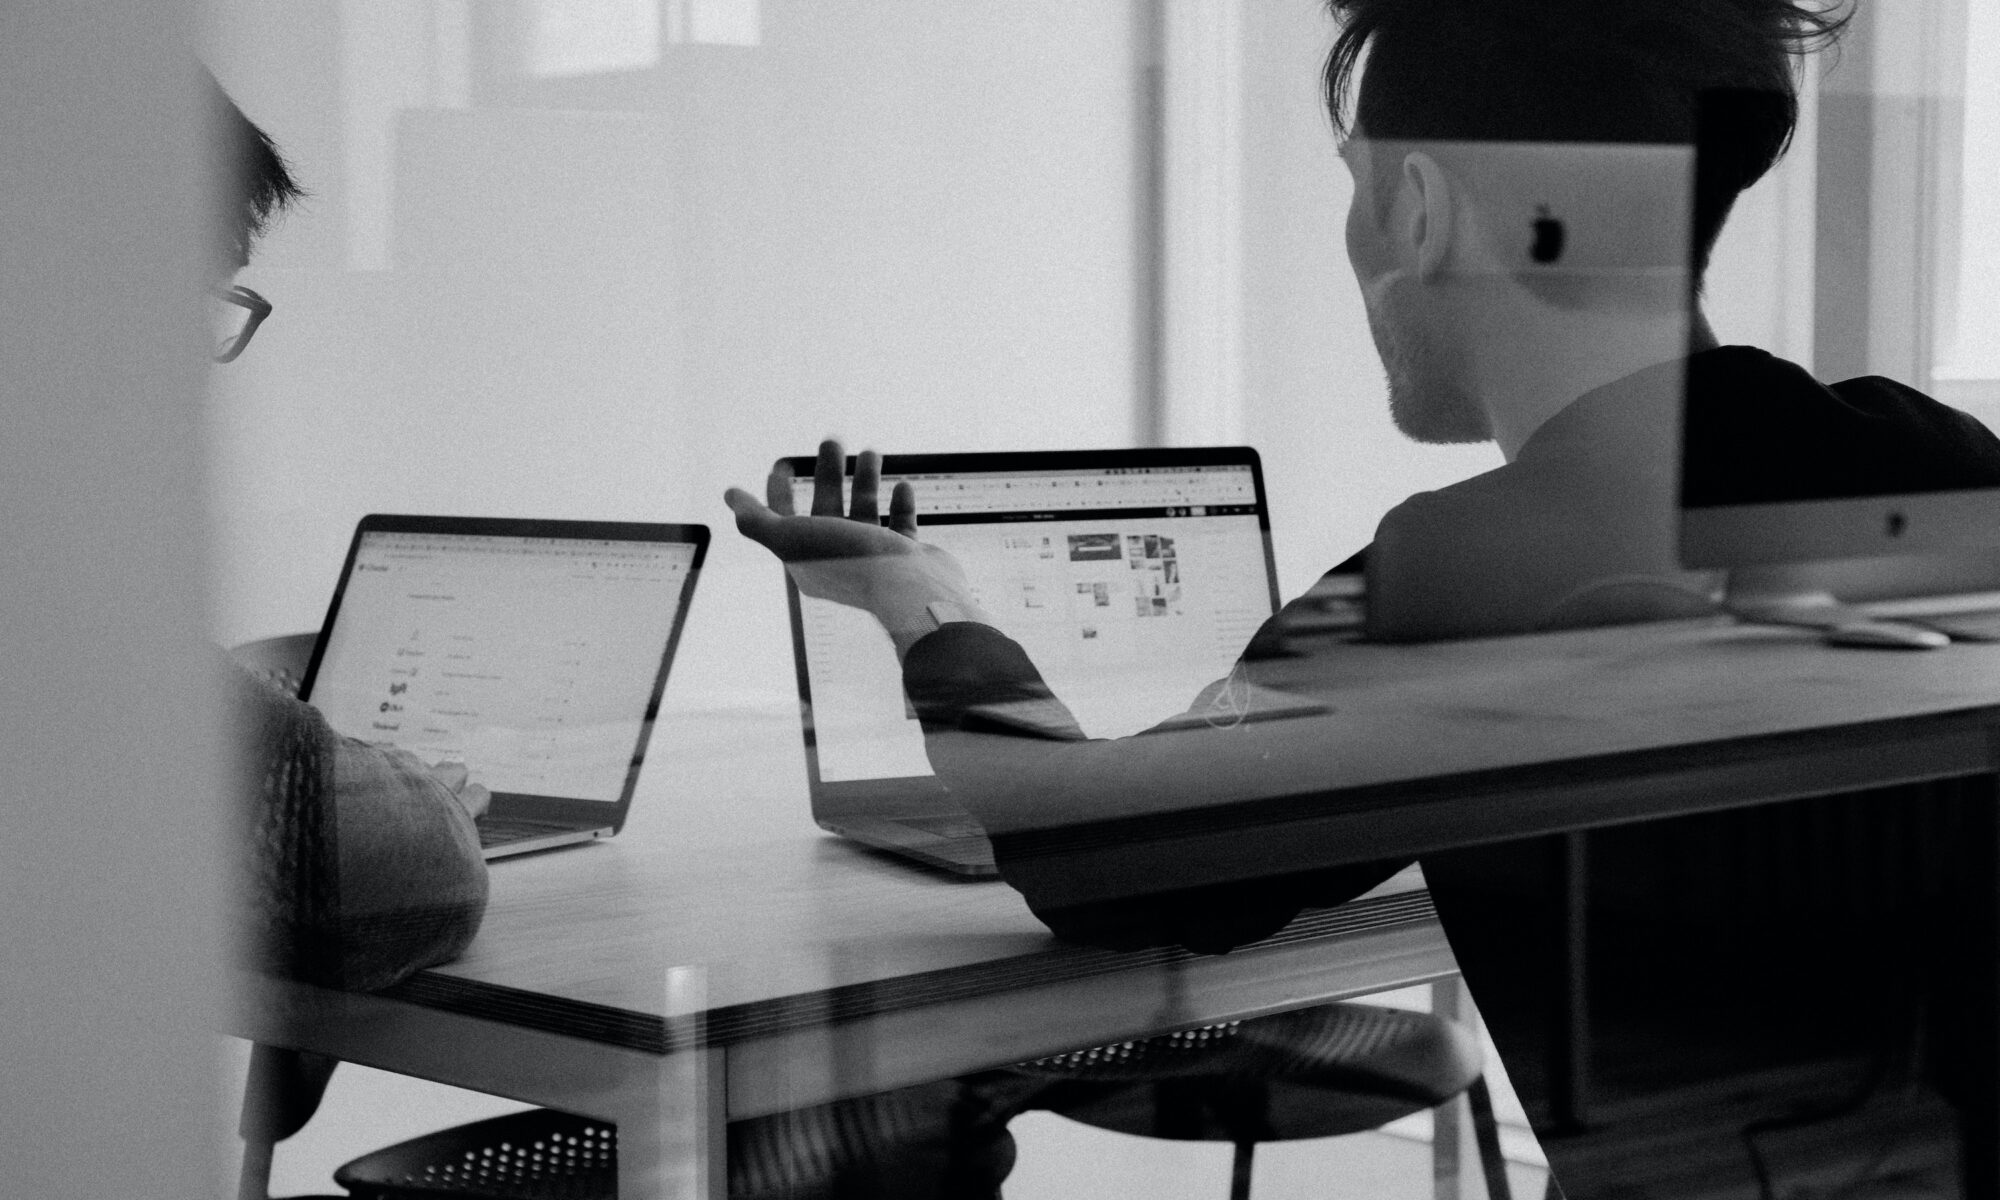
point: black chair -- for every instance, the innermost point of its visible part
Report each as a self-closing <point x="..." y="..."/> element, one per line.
<point x="1314" y="1073"/>
<point x="898" y="1143"/>
<point x="1320" y="1072"/>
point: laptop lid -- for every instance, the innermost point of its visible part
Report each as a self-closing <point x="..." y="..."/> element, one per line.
<point x="536" y="651"/>
<point x="1133" y="578"/>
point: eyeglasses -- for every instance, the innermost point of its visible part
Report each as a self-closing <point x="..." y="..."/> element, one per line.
<point x="234" y="315"/>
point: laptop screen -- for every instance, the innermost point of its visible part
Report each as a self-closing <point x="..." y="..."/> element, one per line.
<point x="536" y="660"/>
<point x="1130" y="586"/>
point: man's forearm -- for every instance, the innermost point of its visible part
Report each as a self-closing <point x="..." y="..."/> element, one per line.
<point x="909" y="595"/>
<point x="413" y="884"/>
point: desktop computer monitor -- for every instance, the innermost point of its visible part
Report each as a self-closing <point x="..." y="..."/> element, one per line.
<point x="1866" y="492"/>
<point x="1781" y="553"/>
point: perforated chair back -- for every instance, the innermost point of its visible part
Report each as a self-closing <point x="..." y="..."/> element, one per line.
<point x="1318" y="1072"/>
<point x="1313" y="1073"/>
<point x="280" y="661"/>
<point x="536" y="1155"/>
<point x="868" y="1146"/>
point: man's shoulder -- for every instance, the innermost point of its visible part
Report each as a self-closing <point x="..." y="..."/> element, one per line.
<point x="1882" y="396"/>
<point x="1758" y="387"/>
<point x="1478" y="501"/>
<point x="1532" y="544"/>
<point x="1762" y="430"/>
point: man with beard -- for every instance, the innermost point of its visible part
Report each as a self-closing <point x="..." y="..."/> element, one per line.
<point x="1580" y="382"/>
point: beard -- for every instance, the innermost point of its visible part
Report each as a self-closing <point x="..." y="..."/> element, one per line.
<point x="1427" y="400"/>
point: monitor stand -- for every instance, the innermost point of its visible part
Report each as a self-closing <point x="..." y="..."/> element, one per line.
<point x="1797" y="595"/>
<point x="1785" y="594"/>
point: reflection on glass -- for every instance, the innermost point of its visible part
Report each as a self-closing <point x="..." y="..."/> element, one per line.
<point x="586" y="271"/>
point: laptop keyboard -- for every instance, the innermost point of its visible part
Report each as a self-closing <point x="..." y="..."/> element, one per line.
<point x="501" y="831"/>
<point x="945" y="826"/>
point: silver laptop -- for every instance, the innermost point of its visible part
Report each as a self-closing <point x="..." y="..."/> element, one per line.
<point x="535" y="652"/>
<point x="1133" y="578"/>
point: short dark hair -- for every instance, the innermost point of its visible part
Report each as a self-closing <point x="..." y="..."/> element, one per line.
<point x="1586" y="71"/>
<point x="253" y="181"/>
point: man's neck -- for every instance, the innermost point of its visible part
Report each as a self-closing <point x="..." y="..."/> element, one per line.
<point x="1547" y="360"/>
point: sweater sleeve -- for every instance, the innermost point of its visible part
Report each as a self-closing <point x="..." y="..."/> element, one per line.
<point x="358" y="867"/>
<point x="1010" y="750"/>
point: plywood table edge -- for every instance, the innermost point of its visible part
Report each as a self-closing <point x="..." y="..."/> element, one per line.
<point x="1409" y="819"/>
<point x="649" y="1032"/>
<point x="908" y="1046"/>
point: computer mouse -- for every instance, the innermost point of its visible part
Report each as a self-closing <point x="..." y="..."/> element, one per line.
<point x="1889" y="635"/>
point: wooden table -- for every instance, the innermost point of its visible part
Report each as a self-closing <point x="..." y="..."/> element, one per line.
<point x="723" y="960"/>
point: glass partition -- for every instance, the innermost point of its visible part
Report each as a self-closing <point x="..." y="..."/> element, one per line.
<point x="601" y="261"/>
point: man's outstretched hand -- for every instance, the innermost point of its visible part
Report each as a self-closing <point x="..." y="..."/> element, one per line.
<point x="842" y="552"/>
<point x="833" y="530"/>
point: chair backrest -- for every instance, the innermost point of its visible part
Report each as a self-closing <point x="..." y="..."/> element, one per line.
<point x="540" y="1154"/>
<point x="278" y="660"/>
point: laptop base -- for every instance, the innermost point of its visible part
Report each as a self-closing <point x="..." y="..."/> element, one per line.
<point x="529" y="844"/>
<point x="968" y="858"/>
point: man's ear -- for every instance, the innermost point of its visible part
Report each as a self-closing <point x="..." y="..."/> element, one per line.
<point x="1431" y="218"/>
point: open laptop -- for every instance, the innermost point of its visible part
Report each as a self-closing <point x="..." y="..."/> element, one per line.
<point x="533" y="651"/>
<point x="1133" y="578"/>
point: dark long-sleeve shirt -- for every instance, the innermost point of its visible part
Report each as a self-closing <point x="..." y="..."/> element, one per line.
<point x="1588" y="502"/>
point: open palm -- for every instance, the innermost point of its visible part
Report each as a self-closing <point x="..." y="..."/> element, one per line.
<point x="843" y="552"/>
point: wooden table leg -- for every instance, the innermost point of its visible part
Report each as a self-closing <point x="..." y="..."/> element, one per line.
<point x="673" y="1141"/>
<point x="672" y="1137"/>
<point x="712" y="1125"/>
<point x="1979" y="1112"/>
<point x="1569" y="1057"/>
<point x="1446" y="1166"/>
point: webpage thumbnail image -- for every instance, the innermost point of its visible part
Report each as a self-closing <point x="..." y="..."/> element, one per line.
<point x="1149" y="581"/>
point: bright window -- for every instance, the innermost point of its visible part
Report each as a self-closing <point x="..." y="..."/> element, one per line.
<point x="1968" y="319"/>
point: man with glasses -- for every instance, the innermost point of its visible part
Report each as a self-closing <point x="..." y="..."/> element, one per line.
<point x="358" y="864"/>
<point x="363" y="863"/>
<point x="235" y="312"/>
<point x="364" y="866"/>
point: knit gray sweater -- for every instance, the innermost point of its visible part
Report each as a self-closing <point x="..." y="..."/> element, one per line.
<point x="359" y="868"/>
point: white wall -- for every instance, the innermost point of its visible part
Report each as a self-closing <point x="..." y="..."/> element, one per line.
<point x="612" y="294"/>
<point x="1967" y="348"/>
<point x="107" y="785"/>
<point x="1759" y="288"/>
